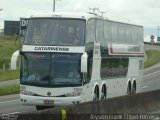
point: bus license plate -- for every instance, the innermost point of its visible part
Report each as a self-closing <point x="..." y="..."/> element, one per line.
<point x="48" y="102"/>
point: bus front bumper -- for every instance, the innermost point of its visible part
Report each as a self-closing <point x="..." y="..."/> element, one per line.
<point x="49" y="101"/>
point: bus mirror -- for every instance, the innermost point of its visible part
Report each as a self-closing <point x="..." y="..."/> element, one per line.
<point x="84" y="63"/>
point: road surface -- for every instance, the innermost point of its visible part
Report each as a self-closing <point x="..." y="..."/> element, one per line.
<point x="9" y="82"/>
<point x="151" y="79"/>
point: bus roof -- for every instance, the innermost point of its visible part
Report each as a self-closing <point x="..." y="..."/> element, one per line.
<point x="78" y="15"/>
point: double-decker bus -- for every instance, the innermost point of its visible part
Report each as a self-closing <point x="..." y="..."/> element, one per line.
<point x="70" y="58"/>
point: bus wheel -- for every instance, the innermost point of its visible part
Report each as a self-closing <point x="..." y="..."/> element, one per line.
<point x="103" y="93"/>
<point x="96" y="94"/>
<point x="129" y="88"/>
<point x="134" y="88"/>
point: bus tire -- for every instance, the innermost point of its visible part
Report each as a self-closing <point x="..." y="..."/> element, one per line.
<point x="134" y="88"/>
<point x="104" y="92"/>
<point x="129" y="88"/>
<point x="96" y="94"/>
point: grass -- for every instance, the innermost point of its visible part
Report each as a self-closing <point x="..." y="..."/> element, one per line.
<point x="7" y="90"/>
<point x="153" y="57"/>
<point x="9" y="75"/>
<point x="8" y="45"/>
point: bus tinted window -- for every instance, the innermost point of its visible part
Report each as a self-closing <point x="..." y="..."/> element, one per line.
<point x="90" y="31"/>
<point x="115" y="38"/>
<point x="122" y="33"/>
<point x="128" y="34"/>
<point x="140" y="33"/>
<point x="35" y="69"/>
<point x="107" y="31"/>
<point x="47" y="31"/>
<point x="114" y="67"/>
<point x="99" y="30"/>
<point x="134" y="35"/>
<point x="50" y="69"/>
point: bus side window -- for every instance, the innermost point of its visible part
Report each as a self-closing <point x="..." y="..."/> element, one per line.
<point x="107" y="31"/>
<point x="122" y="33"/>
<point x="87" y="76"/>
<point x="99" y="30"/>
<point x="90" y="61"/>
<point x="114" y="67"/>
<point x="90" y="31"/>
<point x="115" y="38"/>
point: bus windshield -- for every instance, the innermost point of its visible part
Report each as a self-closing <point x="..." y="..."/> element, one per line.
<point x="55" y="32"/>
<point x="51" y="69"/>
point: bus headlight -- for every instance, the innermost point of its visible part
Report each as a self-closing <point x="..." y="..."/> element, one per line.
<point x="26" y="93"/>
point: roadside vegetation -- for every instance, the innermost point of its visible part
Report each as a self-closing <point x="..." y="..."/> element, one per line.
<point x="9" y="75"/>
<point x="8" y="45"/>
<point x="153" y="57"/>
<point x="7" y="90"/>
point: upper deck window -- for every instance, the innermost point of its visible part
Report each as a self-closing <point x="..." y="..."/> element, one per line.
<point x="56" y="32"/>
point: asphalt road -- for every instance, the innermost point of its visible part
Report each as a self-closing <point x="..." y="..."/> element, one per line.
<point x="14" y="106"/>
<point x="11" y="104"/>
<point x="151" y="79"/>
<point x="9" y="82"/>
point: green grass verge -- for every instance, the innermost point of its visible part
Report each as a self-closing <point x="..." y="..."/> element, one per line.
<point x="9" y="75"/>
<point x="153" y="57"/>
<point x="8" y="45"/>
<point x="7" y="90"/>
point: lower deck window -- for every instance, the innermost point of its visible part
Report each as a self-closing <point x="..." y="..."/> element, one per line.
<point x="114" y="67"/>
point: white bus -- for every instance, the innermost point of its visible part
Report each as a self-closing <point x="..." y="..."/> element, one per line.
<point x="70" y="58"/>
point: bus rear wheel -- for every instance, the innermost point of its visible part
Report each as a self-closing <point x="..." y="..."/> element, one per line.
<point x="103" y="93"/>
<point x="96" y="94"/>
<point x="134" y="88"/>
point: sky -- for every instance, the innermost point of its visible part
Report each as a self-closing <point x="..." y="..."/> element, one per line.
<point x="141" y="12"/>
